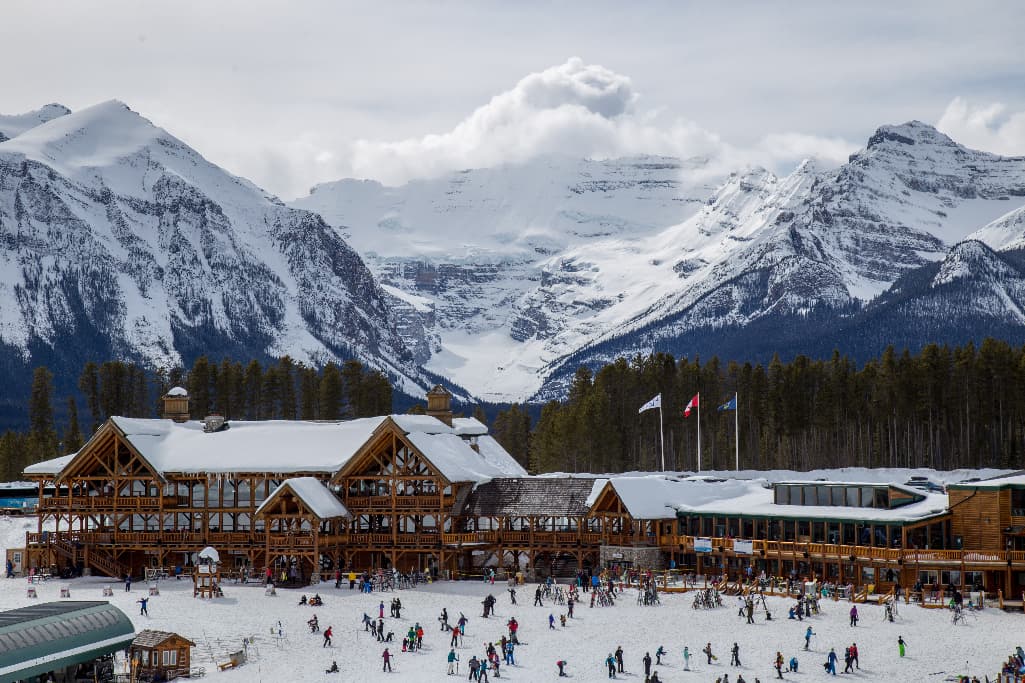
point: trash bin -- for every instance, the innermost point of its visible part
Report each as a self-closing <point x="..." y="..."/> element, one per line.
<point x="519" y="578"/>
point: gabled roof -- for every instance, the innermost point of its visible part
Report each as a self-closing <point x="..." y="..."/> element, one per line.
<point x="314" y="495"/>
<point x="51" y="466"/>
<point x="51" y="635"/>
<point x="526" y="496"/>
<point x="456" y="461"/>
<point x="151" y="639"/>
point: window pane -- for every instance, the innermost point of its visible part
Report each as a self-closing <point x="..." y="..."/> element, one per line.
<point x="852" y="496"/>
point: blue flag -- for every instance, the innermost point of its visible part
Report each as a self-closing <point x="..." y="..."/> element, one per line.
<point x="729" y="405"/>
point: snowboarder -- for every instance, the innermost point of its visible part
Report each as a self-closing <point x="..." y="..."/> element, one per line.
<point x="562" y="665"/>
<point x="333" y="669"/>
<point x="659" y="654"/>
<point x="901" y="645"/>
<point x="142" y="606"/>
<point x="386" y="656"/>
<point x="619" y="658"/>
<point x="453" y="662"/>
<point x="854" y="615"/>
<point x="686" y="658"/>
<point x="735" y="655"/>
<point x="807" y="638"/>
<point x="327" y="637"/>
<point x="708" y="653"/>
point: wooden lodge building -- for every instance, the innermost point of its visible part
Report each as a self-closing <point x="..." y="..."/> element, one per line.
<point x="437" y="493"/>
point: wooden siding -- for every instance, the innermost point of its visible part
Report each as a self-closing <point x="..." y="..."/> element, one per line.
<point x="979" y="517"/>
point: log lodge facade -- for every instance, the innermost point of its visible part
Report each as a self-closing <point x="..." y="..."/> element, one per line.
<point x="437" y="493"/>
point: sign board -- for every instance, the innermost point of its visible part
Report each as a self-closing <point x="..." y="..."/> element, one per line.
<point x="702" y="545"/>
<point x="617" y="556"/>
<point x="743" y="547"/>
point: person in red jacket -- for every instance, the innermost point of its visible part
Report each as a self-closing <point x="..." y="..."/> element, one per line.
<point x="386" y="656"/>
<point x="327" y="637"/>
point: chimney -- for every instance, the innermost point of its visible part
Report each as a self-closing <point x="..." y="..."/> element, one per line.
<point x="176" y="405"/>
<point x="439" y="404"/>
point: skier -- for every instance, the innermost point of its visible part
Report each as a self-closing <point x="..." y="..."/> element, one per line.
<point x="386" y="656"/>
<point x="610" y="661"/>
<point x="708" y="653"/>
<point x="654" y="678"/>
<point x="444" y="619"/>
<point x="510" y="653"/>
<point x="793" y="665"/>
<point x="686" y="658"/>
<point x="313" y="624"/>
<point x="512" y="595"/>
<point x="128" y="583"/>
<point x="854" y="655"/>
<point x="380" y="613"/>
<point x="901" y="645"/>
<point x="453" y="662"/>
<point x="619" y="658"/>
<point x="779" y="664"/>
<point x="473" y="665"/>
<point x="848" y="661"/>
<point x="537" y="597"/>
<point x="569" y="604"/>
<point x="750" y="611"/>
<point x="807" y="638"/>
<point x="462" y="624"/>
<point x="327" y="637"/>
<point x="854" y="615"/>
<point x="647" y="665"/>
<point x="551" y="622"/>
<point x="735" y="655"/>
<point x="455" y="638"/>
<point x="142" y="606"/>
<point x="831" y="662"/>
<point x="562" y="665"/>
<point x="659" y="654"/>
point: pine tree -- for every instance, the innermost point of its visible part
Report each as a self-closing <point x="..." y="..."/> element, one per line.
<point x="330" y="398"/>
<point x="89" y="385"/>
<point x="73" y="436"/>
<point x="42" y="434"/>
<point x="199" y="389"/>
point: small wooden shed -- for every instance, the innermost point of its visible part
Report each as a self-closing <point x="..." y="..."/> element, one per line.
<point x="160" y="655"/>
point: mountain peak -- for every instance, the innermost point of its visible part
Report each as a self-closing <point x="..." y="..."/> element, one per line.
<point x="16" y="124"/>
<point x="910" y="133"/>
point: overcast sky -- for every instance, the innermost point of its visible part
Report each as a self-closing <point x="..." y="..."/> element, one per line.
<point x="293" y="93"/>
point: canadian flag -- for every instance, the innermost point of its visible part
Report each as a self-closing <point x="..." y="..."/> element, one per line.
<point x="693" y="404"/>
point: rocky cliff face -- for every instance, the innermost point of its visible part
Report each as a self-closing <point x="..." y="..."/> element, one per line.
<point x="120" y="240"/>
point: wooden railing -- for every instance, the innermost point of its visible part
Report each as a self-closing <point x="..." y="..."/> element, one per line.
<point x="385" y="502"/>
<point x="289" y="541"/>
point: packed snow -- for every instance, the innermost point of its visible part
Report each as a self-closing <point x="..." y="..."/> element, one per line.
<point x="283" y="648"/>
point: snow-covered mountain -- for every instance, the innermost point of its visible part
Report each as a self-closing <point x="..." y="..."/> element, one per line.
<point x="121" y="241"/>
<point x="482" y="263"/>
<point x="519" y="274"/>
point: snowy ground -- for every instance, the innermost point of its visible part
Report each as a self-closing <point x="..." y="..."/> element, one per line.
<point x="936" y="648"/>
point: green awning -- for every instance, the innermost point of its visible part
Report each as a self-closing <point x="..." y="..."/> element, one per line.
<point x="53" y="635"/>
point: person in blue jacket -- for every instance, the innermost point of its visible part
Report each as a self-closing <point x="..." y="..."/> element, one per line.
<point x="831" y="662"/>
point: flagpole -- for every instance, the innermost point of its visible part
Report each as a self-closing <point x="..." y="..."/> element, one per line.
<point x="736" y="425"/>
<point x="699" y="431"/>
<point x="662" y="435"/>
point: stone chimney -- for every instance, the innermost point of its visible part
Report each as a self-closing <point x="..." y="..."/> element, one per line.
<point x="439" y="404"/>
<point x="176" y="405"/>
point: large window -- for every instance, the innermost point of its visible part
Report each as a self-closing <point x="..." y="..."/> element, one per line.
<point x="1018" y="502"/>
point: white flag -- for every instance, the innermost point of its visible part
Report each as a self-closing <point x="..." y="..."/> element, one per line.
<point x="653" y="403"/>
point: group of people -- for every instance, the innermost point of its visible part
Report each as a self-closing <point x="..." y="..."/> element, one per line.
<point x="315" y="601"/>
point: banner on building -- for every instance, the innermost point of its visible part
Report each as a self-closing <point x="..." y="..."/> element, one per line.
<point x="743" y="547"/>
<point x="702" y="545"/>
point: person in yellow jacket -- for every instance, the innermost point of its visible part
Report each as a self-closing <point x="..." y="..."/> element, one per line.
<point x="352" y="579"/>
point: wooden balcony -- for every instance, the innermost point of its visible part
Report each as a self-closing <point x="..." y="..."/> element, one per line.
<point x="289" y="541"/>
<point x="382" y="503"/>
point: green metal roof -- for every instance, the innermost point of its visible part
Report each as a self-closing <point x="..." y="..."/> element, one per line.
<point x="51" y="635"/>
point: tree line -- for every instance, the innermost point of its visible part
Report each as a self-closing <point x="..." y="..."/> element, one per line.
<point x="944" y="408"/>
<point x="285" y="389"/>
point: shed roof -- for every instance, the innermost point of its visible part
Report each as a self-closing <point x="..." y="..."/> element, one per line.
<point x="39" y="638"/>
<point x="522" y="496"/>
<point x="151" y="639"/>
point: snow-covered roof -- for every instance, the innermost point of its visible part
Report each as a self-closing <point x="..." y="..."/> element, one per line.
<point x="52" y="466"/>
<point x="177" y="391"/>
<point x="457" y="461"/>
<point x="468" y="426"/>
<point x="1013" y="479"/>
<point x="279" y="446"/>
<point x="312" y="492"/>
<point x="421" y="423"/>
<point x="648" y="497"/>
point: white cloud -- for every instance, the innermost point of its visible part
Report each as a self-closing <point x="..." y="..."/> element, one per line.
<point x="576" y="109"/>
<point x="989" y="127"/>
